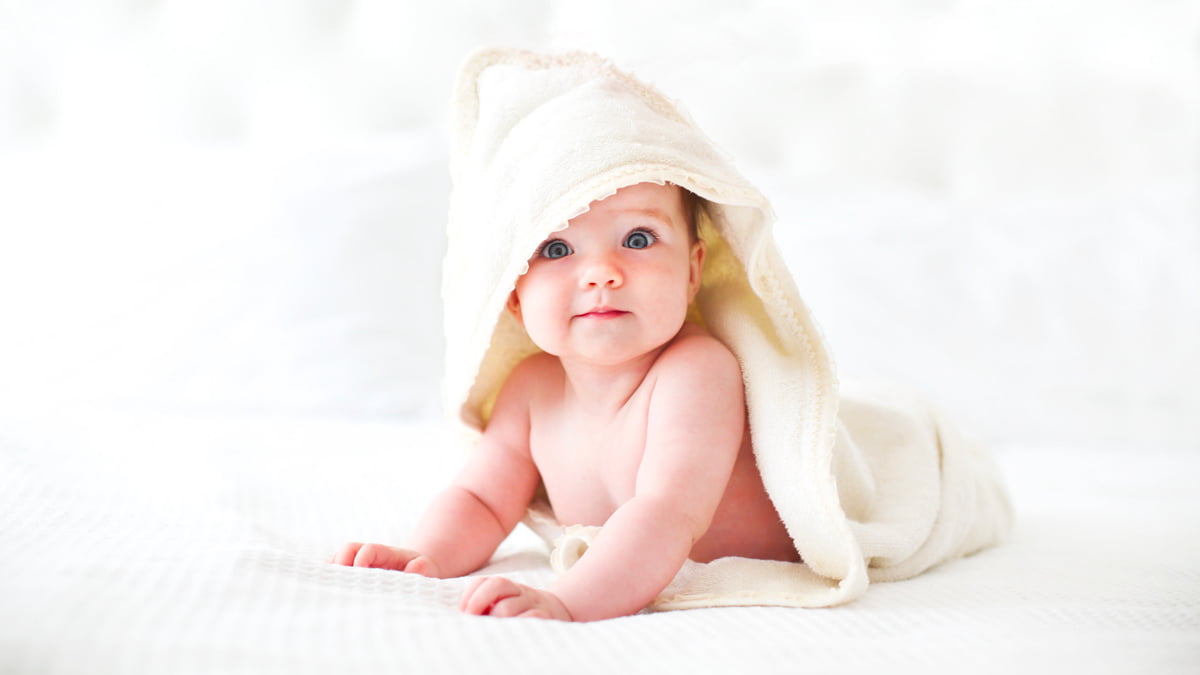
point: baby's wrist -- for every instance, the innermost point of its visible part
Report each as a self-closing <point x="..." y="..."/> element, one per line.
<point x="559" y="608"/>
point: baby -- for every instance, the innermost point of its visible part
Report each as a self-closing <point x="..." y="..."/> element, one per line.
<point x="607" y="371"/>
<point x="632" y="417"/>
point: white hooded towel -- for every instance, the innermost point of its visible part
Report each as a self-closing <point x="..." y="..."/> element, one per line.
<point x="873" y="486"/>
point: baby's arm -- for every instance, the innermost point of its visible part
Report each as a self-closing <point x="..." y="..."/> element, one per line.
<point x="465" y="523"/>
<point x="694" y="433"/>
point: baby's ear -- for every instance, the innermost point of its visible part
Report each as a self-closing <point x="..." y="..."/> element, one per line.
<point x="513" y="305"/>
<point x="696" y="273"/>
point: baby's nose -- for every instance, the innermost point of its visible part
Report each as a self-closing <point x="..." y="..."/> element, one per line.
<point x="602" y="271"/>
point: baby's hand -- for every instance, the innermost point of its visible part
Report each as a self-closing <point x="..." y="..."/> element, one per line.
<point x="385" y="557"/>
<point x="497" y="596"/>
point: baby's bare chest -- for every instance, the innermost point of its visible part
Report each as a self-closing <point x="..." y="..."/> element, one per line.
<point x="589" y="467"/>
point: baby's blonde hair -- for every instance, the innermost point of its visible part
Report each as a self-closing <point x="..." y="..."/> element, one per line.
<point x="692" y="204"/>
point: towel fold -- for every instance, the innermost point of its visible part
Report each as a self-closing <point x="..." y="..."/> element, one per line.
<point x="871" y="484"/>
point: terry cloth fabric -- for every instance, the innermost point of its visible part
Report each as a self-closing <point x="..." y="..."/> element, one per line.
<point x="870" y="487"/>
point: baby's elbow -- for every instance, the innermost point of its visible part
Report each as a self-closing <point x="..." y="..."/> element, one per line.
<point x="696" y="525"/>
<point x="674" y="516"/>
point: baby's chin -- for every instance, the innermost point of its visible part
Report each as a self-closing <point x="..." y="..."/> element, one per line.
<point x="615" y="352"/>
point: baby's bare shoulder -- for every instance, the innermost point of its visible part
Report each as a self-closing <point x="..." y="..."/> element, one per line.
<point x="533" y="372"/>
<point x="693" y="342"/>
<point x="696" y="418"/>
<point x="698" y="358"/>
<point x="536" y="365"/>
<point x="517" y="397"/>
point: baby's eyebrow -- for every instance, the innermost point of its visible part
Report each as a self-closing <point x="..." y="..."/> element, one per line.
<point x="656" y="214"/>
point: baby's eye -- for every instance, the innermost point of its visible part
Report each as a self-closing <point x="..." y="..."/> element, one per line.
<point x="639" y="239"/>
<point x="555" y="249"/>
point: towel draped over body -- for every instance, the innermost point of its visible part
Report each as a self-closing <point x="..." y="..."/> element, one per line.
<point x="872" y="484"/>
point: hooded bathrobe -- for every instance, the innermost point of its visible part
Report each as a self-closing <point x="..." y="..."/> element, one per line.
<point x="871" y="486"/>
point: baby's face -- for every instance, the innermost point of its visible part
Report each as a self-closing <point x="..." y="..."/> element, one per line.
<point x="615" y="284"/>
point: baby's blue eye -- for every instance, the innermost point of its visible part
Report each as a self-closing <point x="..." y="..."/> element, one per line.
<point x="639" y="239"/>
<point x="556" y="249"/>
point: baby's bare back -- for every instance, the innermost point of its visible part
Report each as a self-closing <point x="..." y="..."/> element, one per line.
<point x="590" y="457"/>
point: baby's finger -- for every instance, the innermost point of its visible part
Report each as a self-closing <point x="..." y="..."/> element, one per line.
<point x="469" y="592"/>
<point x="511" y="606"/>
<point x="346" y="555"/>
<point x="385" y="557"/>
<point x="367" y="556"/>
<point x="420" y="565"/>
<point x="486" y="592"/>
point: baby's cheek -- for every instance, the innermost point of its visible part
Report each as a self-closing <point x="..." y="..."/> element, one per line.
<point x="672" y="303"/>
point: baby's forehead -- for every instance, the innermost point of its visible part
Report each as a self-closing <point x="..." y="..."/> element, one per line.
<point x="648" y="192"/>
<point x="650" y="199"/>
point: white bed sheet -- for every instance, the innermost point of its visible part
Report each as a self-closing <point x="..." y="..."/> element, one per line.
<point x="133" y="543"/>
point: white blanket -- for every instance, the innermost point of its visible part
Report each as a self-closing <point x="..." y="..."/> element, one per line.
<point x="136" y="544"/>
<point x="871" y="486"/>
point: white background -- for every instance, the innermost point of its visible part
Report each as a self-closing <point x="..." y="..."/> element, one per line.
<point x="236" y="207"/>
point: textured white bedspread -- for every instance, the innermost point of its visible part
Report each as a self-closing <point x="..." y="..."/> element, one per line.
<point x="170" y="544"/>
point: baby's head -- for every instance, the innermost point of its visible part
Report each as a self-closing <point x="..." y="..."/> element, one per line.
<point x="617" y="282"/>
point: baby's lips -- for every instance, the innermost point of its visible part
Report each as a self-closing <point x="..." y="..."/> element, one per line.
<point x="603" y="311"/>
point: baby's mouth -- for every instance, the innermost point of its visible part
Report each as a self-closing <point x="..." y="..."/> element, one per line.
<point x="602" y="313"/>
